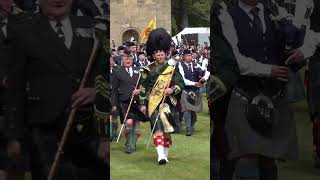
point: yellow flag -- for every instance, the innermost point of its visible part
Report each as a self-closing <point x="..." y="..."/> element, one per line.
<point x="157" y="92"/>
<point x="151" y="25"/>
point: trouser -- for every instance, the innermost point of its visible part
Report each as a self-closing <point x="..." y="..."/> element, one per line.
<point x="190" y="118"/>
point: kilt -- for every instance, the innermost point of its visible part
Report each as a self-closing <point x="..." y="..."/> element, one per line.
<point x="243" y="140"/>
<point x="187" y="106"/>
<point x="295" y="88"/>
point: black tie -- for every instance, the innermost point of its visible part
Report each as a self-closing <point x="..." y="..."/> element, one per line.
<point x="59" y="31"/>
<point x="189" y="67"/>
<point x="256" y="19"/>
<point x="128" y="70"/>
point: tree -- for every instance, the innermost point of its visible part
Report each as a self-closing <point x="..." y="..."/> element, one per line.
<point x="190" y="13"/>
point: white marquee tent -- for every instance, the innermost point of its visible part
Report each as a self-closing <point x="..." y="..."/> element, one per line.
<point x="203" y="34"/>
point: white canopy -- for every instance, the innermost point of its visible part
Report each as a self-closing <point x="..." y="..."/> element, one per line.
<point x="203" y="34"/>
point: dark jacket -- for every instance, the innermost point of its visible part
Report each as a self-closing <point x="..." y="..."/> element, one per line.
<point x="44" y="73"/>
<point x="123" y="84"/>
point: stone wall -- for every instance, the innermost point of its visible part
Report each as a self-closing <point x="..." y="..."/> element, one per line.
<point x="134" y="15"/>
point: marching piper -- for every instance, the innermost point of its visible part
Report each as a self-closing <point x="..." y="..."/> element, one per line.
<point x="191" y="101"/>
<point x="165" y="84"/>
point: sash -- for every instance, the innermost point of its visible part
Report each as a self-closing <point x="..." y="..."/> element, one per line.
<point x="157" y="92"/>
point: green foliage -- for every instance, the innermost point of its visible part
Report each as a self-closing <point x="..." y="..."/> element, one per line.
<point x="190" y="13"/>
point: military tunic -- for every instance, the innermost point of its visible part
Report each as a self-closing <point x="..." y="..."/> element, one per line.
<point x="148" y="80"/>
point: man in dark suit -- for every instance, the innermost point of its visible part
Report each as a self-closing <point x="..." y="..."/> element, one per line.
<point x="133" y="50"/>
<point x="142" y="60"/>
<point x="124" y="80"/>
<point x="53" y="51"/>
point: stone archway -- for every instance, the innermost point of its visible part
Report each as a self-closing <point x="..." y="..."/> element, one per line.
<point x="129" y="33"/>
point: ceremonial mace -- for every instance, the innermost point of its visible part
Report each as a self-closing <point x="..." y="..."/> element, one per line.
<point x="73" y="112"/>
<point x="162" y="102"/>
<point x="129" y="107"/>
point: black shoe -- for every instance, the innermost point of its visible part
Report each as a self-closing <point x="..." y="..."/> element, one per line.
<point x="134" y="148"/>
<point x="114" y="138"/>
<point x="162" y="162"/>
<point x="130" y="149"/>
<point x="189" y="132"/>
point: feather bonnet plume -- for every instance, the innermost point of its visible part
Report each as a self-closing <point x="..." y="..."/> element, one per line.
<point x="158" y="40"/>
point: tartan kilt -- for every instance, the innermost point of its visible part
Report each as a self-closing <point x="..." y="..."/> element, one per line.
<point x="187" y="106"/>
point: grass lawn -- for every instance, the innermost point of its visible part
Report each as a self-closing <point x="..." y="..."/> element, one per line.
<point x="189" y="156"/>
<point x="302" y="169"/>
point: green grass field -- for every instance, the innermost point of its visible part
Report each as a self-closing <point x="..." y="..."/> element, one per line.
<point x="303" y="168"/>
<point x="189" y="156"/>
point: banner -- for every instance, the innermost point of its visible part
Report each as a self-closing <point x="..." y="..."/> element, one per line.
<point x="151" y="25"/>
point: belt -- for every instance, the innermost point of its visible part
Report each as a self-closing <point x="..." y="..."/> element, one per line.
<point x="243" y="95"/>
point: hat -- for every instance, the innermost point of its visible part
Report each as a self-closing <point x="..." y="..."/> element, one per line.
<point x="132" y="44"/>
<point x="121" y="48"/>
<point x="158" y="40"/>
<point x="175" y="52"/>
<point x="127" y="53"/>
<point x="139" y="53"/>
<point x="187" y="51"/>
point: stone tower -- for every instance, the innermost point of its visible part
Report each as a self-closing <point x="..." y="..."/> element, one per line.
<point x="129" y="17"/>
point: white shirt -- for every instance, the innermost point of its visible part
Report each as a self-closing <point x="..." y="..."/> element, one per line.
<point x="66" y="29"/>
<point x="205" y="63"/>
<point x="130" y="71"/>
<point x="249" y="66"/>
<point x="187" y="81"/>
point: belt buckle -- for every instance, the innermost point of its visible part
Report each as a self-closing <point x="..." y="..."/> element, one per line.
<point x="240" y="96"/>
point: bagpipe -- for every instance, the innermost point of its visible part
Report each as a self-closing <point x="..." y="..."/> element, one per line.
<point x="292" y="24"/>
<point x="291" y="19"/>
